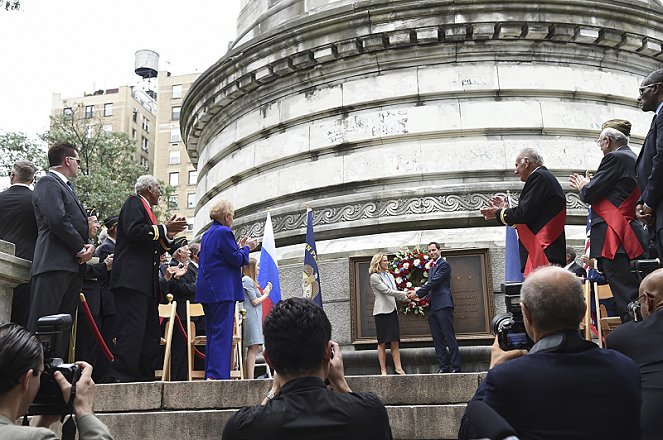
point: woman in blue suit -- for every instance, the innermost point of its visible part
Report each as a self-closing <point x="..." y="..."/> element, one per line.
<point x="219" y="286"/>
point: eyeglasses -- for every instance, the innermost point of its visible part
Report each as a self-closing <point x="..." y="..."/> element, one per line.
<point x="643" y="88"/>
<point x="78" y="161"/>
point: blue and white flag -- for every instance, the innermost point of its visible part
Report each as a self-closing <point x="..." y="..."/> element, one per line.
<point x="311" y="275"/>
<point x="269" y="268"/>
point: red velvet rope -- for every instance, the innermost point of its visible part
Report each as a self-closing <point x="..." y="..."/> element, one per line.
<point x="198" y="353"/>
<point x="97" y="334"/>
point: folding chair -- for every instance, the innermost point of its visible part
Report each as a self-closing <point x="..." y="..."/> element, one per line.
<point x="587" y="319"/>
<point x="237" y="355"/>
<point x="604" y="323"/>
<point x="167" y="312"/>
<point x="192" y="311"/>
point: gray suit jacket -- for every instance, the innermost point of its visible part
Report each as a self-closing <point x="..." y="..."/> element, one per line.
<point x="62" y="226"/>
<point x="385" y="295"/>
<point x="89" y="428"/>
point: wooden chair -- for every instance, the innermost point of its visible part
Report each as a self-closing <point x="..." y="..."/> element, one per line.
<point x="604" y="323"/>
<point x="167" y="312"/>
<point x="237" y="354"/>
<point x="192" y="311"/>
<point x="587" y="319"/>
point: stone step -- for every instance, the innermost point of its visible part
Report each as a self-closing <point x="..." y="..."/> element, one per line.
<point x="184" y="410"/>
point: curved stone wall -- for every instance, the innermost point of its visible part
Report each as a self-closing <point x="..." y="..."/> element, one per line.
<point x="389" y="116"/>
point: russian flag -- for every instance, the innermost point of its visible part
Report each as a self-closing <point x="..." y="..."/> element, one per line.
<point x="512" y="271"/>
<point x="269" y="269"/>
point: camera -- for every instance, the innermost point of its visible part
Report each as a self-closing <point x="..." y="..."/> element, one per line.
<point x="642" y="268"/>
<point x="634" y="309"/>
<point x="53" y="333"/>
<point x="509" y="327"/>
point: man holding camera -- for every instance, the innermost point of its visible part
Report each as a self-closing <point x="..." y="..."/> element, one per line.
<point x="564" y="381"/>
<point x="299" y="405"/>
<point x="641" y="341"/>
<point x="21" y="367"/>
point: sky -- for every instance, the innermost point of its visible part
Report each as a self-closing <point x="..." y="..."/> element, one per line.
<point x="77" y="46"/>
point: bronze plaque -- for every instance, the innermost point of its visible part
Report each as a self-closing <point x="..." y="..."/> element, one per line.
<point x="471" y="288"/>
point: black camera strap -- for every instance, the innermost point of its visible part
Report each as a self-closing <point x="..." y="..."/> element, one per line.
<point x="69" y="427"/>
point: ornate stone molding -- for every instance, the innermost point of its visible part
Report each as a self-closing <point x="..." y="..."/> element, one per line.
<point x="346" y="214"/>
<point x="269" y="59"/>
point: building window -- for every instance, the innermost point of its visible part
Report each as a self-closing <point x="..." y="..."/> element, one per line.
<point x="173" y="179"/>
<point x="108" y="109"/>
<point x="108" y="128"/>
<point x="144" y="143"/>
<point x="89" y="111"/>
<point x="177" y="91"/>
<point x="89" y="131"/>
<point x="144" y="163"/>
<point x="191" y="200"/>
<point x="174" y="135"/>
<point x="134" y="115"/>
<point x="133" y="134"/>
<point x="172" y="202"/>
<point x="175" y="113"/>
<point x="146" y="124"/>
<point x="68" y="112"/>
<point x="193" y="177"/>
<point x="175" y="157"/>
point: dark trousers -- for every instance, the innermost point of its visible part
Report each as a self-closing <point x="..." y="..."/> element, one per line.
<point x="623" y="284"/>
<point x="138" y="345"/>
<point x="21" y="304"/>
<point x="219" y="322"/>
<point x="441" y="324"/>
<point x="178" y="361"/>
<point x="52" y="293"/>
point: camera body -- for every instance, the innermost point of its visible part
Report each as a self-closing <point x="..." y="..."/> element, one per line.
<point x="642" y="268"/>
<point x="509" y="327"/>
<point x="53" y="332"/>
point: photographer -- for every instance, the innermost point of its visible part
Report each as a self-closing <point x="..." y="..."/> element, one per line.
<point x="641" y="341"/>
<point x="564" y="381"/>
<point x="21" y="367"/>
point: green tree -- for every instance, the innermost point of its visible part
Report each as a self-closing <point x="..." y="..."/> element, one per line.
<point x="108" y="162"/>
<point x="17" y="146"/>
<point x="10" y="5"/>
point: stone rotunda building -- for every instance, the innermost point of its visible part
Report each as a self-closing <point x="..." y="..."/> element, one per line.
<point x="395" y="121"/>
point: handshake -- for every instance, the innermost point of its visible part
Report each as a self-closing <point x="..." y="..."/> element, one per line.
<point x="412" y="295"/>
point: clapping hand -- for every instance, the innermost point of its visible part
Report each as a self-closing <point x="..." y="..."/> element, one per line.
<point x="175" y="224"/>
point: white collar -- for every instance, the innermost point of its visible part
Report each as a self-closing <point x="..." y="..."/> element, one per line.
<point x="23" y="184"/>
<point x="60" y="175"/>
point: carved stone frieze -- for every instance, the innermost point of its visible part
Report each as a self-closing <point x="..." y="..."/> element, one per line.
<point x="388" y="208"/>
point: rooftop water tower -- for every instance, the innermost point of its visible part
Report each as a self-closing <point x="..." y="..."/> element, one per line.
<point x="147" y="66"/>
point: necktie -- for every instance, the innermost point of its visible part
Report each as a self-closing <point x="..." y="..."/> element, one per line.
<point x="71" y="187"/>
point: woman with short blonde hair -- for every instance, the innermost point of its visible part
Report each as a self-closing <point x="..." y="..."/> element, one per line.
<point x="221" y="209"/>
<point x="384" y="311"/>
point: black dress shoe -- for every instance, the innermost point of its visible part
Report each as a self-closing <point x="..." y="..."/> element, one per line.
<point x="456" y="370"/>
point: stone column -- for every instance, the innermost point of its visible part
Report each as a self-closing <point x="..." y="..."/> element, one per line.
<point x="13" y="271"/>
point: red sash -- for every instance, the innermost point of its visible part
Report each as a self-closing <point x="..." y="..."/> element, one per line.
<point x="537" y="244"/>
<point x="619" y="226"/>
<point x="148" y="208"/>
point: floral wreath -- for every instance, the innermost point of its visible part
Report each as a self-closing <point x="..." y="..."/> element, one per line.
<point x="410" y="269"/>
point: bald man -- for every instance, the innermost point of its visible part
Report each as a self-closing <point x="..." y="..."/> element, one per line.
<point x="552" y="392"/>
<point x="641" y="341"/>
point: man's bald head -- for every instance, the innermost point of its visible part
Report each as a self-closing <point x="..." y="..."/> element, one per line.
<point x="651" y="293"/>
<point x="553" y="296"/>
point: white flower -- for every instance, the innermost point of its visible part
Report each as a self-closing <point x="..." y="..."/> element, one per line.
<point x="425" y="274"/>
<point x="427" y="265"/>
<point x="417" y="262"/>
<point x="406" y="265"/>
<point x="399" y="280"/>
<point x="408" y="284"/>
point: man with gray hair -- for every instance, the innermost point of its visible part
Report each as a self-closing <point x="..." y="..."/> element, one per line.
<point x="18" y="225"/>
<point x="616" y="235"/>
<point x="141" y="239"/>
<point x="539" y="217"/>
<point x="551" y="392"/>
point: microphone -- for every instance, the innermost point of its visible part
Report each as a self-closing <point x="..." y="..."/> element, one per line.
<point x="488" y="423"/>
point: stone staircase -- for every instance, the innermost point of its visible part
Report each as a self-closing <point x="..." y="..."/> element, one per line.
<point x="420" y="406"/>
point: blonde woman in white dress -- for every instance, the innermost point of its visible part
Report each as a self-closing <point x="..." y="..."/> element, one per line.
<point x="384" y="311"/>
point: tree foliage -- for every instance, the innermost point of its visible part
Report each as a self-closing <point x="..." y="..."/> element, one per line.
<point x="10" y="5"/>
<point x="17" y="146"/>
<point x="108" y="162"/>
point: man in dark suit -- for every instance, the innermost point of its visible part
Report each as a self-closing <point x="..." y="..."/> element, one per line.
<point x="571" y="264"/>
<point x="134" y="282"/>
<point x="616" y="235"/>
<point x="19" y="226"/>
<point x="649" y="165"/>
<point x="62" y="241"/>
<point x="641" y="341"/>
<point x="551" y="392"/>
<point x="539" y="217"/>
<point x="441" y="313"/>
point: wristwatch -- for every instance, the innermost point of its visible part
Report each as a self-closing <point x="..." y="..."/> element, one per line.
<point x="271" y="395"/>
